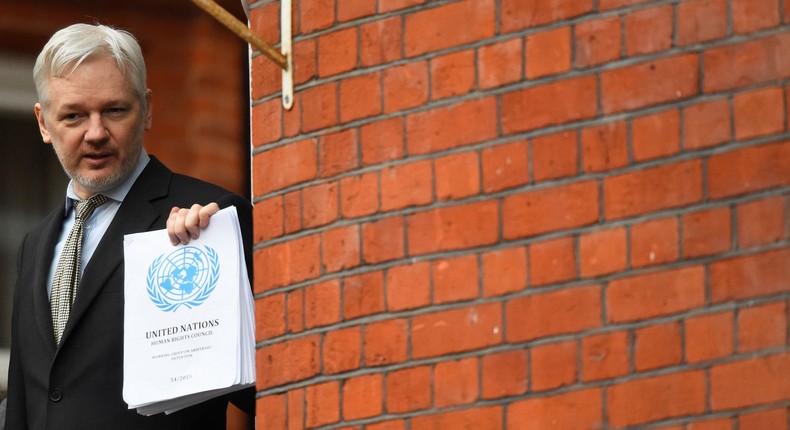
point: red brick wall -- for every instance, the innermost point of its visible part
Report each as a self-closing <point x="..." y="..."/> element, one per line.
<point x="524" y="214"/>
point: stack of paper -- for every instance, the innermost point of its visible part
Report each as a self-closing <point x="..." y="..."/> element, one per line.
<point x="189" y="319"/>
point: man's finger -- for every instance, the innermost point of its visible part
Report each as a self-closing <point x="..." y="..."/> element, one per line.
<point x="179" y="226"/>
<point x="206" y="212"/>
<point x="171" y="222"/>
<point x="192" y="221"/>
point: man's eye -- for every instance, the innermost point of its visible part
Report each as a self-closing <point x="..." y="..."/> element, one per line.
<point x="71" y="117"/>
<point x="116" y="111"/>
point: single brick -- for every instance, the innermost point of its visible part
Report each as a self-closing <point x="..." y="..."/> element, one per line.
<point x="417" y="177"/>
<point x="455" y="382"/>
<point x="320" y="205"/>
<point x="521" y="14"/>
<point x="550" y="209"/>
<point x="657" y="346"/>
<point x="641" y="297"/>
<point x="652" y="189"/>
<point x="706" y="124"/>
<point x="552" y="261"/>
<point x="604" y="147"/>
<point x="456" y="330"/>
<point x="652" y="82"/>
<point x="759" y="60"/>
<point x="706" y="232"/>
<point x="762" y="327"/>
<point x="362" y="396"/>
<point x="337" y="52"/>
<point x="359" y="195"/>
<point x="457" y="175"/>
<point x="360" y="97"/>
<point x="270" y="314"/>
<point x="340" y="248"/>
<point x="453" y="74"/>
<point x="548" y="52"/>
<point x="284" y="166"/>
<point x="571" y="100"/>
<point x="597" y="41"/>
<point x="408" y="286"/>
<point x="750" y="276"/>
<point x="552" y="366"/>
<point x="454" y="227"/>
<point x="567" y="411"/>
<point x="455" y="279"/>
<point x="750" y="16"/>
<point x="504" y="374"/>
<point x="481" y="418"/>
<point x="709" y="336"/>
<point x="405" y="86"/>
<point x="321" y="404"/>
<point x="322" y="304"/>
<point x="363" y="295"/>
<point x="315" y="15"/>
<point x="555" y="155"/>
<point x="602" y="252"/>
<point x="437" y="129"/>
<point x="383" y="240"/>
<point x="701" y="21"/>
<point x="319" y="108"/>
<point x="386" y="342"/>
<point x="759" y="112"/>
<point x="570" y="310"/>
<point x="656" y="135"/>
<point x="342" y="350"/>
<point x="505" y="166"/>
<point x="437" y="28"/>
<point x="633" y="402"/>
<point x="749" y="169"/>
<point x="654" y="242"/>
<point x="408" y="389"/>
<point x="504" y="271"/>
<point x="604" y="356"/>
<point x="381" y="41"/>
<point x="381" y="141"/>
<point x="649" y="30"/>
<point x="288" y="361"/>
<point x="498" y="64"/>
<point x="761" y="222"/>
<point x="749" y="382"/>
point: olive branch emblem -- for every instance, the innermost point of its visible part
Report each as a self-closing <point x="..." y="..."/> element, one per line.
<point x="185" y="277"/>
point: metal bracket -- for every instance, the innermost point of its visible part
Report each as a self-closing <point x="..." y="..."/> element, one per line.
<point x="283" y="59"/>
<point x="287" y="51"/>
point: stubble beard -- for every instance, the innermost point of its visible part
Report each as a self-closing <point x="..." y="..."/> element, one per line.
<point x="105" y="182"/>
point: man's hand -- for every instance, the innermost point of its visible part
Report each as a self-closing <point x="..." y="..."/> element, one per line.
<point x="184" y="225"/>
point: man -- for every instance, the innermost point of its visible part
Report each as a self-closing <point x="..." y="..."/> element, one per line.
<point x="2" y="413"/>
<point x="66" y="369"/>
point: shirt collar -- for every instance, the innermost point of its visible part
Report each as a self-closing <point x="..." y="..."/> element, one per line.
<point x="118" y="192"/>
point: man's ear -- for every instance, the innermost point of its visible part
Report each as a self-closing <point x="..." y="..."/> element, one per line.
<point x="42" y="124"/>
<point x="149" y="109"/>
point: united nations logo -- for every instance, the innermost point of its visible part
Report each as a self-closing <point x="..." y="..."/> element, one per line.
<point x="185" y="277"/>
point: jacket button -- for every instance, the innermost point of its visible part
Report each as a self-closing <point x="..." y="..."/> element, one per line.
<point x="55" y="395"/>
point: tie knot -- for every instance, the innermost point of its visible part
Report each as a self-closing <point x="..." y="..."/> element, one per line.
<point x="84" y="208"/>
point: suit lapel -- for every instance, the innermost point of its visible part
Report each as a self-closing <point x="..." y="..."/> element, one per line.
<point x="46" y="249"/>
<point x="136" y="214"/>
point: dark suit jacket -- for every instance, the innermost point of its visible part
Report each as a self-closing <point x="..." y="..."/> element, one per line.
<point x="78" y="384"/>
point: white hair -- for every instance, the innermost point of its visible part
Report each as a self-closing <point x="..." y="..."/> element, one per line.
<point x="70" y="46"/>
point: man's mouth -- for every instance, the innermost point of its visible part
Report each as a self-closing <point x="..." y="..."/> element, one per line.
<point x="96" y="158"/>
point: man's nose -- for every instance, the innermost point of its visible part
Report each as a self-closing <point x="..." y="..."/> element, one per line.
<point x="96" y="131"/>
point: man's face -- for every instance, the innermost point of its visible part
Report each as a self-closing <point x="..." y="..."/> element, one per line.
<point x="95" y="122"/>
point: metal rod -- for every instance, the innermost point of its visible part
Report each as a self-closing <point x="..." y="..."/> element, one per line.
<point x="242" y="31"/>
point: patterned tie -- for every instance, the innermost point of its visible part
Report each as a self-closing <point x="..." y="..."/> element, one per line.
<point x="67" y="272"/>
